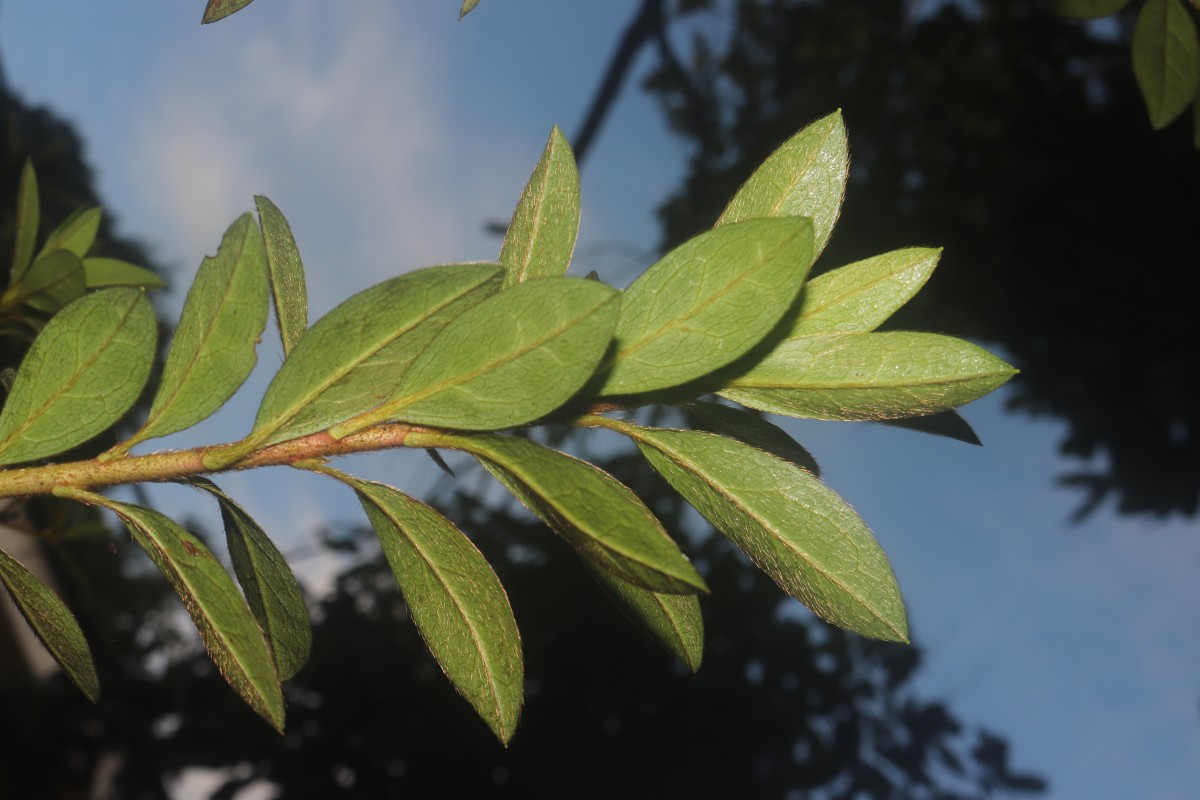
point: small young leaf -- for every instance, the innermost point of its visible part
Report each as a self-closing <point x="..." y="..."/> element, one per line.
<point x="1086" y="9"/>
<point x="81" y="375"/>
<point x="456" y="601"/>
<point x="467" y="7"/>
<point x="287" y="274"/>
<point x="805" y="177"/>
<point x="796" y="529"/>
<point x="226" y="625"/>
<point x="672" y="619"/>
<point x="28" y="218"/>
<point x="219" y="9"/>
<point x="53" y="623"/>
<point x="707" y="302"/>
<point x="104" y="272"/>
<point x="542" y="234"/>
<point x="76" y="233"/>
<point x="945" y="423"/>
<point x="212" y="351"/>
<point x="511" y="359"/>
<point x="854" y="376"/>
<point x="271" y="590"/>
<point x="859" y="297"/>
<point x="356" y="355"/>
<point x="748" y="427"/>
<point x="592" y="510"/>
<point x="1166" y="59"/>
<point x="55" y="279"/>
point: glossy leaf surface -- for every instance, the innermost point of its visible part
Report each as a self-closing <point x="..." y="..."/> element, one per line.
<point x="456" y="601"/>
<point x="104" y="272"/>
<point x="286" y="272"/>
<point x="75" y="234"/>
<point x="707" y="302"/>
<point x="55" y="279"/>
<point x="804" y="177"/>
<point x="748" y="427"/>
<point x="1166" y="59"/>
<point x="854" y="376"/>
<point x="271" y="590"/>
<point x="53" y="623"/>
<point x="219" y="9"/>
<point x="511" y="359"/>
<point x="28" y="218"/>
<point x="81" y="375"/>
<point x="542" y="234"/>
<point x="672" y="619"/>
<point x="796" y="529"/>
<point x="355" y="356"/>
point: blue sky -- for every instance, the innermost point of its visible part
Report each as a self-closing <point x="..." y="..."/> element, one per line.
<point x="389" y="132"/>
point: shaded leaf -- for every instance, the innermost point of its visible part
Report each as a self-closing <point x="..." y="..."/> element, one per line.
<point x="511" y="359"/>
<point x="672" y="619"/>
<point x="103" y="272"/>
<point x="467" y="7"/>
<point x="748" y="427"/>
<point x="804" y="177"/>
<point x="859" y="297"/>
<point x="456" y="601"/>
<point x="81" y="375"/>
<point x="945" y="423"/>
<point x="707" y="302"/>
<point x="54" y="280"/>
<point x="213" y="350"/>
<point x="53" y="623"/>
<point x="1086" y="9"/>
<point x="542" y="234"/>
<point x="219" y="9"/>
<point x="286" y="272"/>
<point x="593" y="511"/>
<point x="355" y="356"/>
<point x="796" y="529"/>
<point x="28" y="218"/>
<point x="271" y="590"/>
<point x="76" y="233"/>
<point x="226" y="625"/>
<point x="1166" y="59"/>
<point x="851" y="376"/>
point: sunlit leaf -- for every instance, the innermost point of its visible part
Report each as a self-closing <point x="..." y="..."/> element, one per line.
<point x="219" y="9"/>
<point x="1086" y="9"/>
<point x="748" y="427"/>
<point x="54" y="280"/>
<point x="467" y="7"/>
<point x="796" y="529"/>
<point x="672" y="619"/>
<point x="226" y="625"/>
<point x="28" y="217"/>
<point x="213" y="350"/>
<point x="81" y="375"/>
<point x="103" y="272"/>
<point x="77" y="233"/>
<point x="53" y="623"/>
<point x="859" y="297"/>
<point x="511" y="359"/>
<point x="286" y="272"/>
<point x="355" y="356"/>
<point x="593" y="511"/>
<point x="271" y="590"/>
<point x="945" y="423"/>
<point x="542" y="234"/>
<point x="851" y="376"/>
<point x="1166" y="59"/>
<point x="456" y="601"/>
<point x="707" y="302"/>
<point x="804" y="177"/>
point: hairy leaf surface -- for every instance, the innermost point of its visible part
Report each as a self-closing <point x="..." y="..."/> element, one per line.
<point x="672" y="619"/>
<point x="748" y="427"/>
<point x="1166" y="59"/>
<point x="219" y="9"/>
<point x="542" y="234"/>
<point x="286" y="271"/>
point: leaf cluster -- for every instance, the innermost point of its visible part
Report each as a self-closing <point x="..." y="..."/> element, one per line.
<point x="452" y="357"/>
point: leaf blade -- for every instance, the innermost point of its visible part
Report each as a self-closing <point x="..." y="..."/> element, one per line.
<point x="286" y="272"/>
<point x="219" y="9"/>
<point x="748" y="427"/>
<point x="54" y="280"/>
<point x="545" y="224"/>
<point x="101" y="273"/>
<point x="1166" y="59"/>
<point x="673" y="620"/>
<point x="28" y="218"/>
<point x="75" y="234"/>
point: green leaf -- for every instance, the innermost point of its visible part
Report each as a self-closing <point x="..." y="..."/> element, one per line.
<point x="511" y="359"/>
<point x="212" y="351"/>
<point x="53" y="623"/>
<point x="672" y="619"/>
<point x="945" y="423"/>
<point x="1166" y="59"/>
<point x="55" y="279"/>
<point x="286" y="272"/>
<point x="1086" y="9"/>
<point x="467" y="7"/>
<point x="28" y="218"/>
<point x="796" y="529"/>
<point x="271" y="590"/>
<point x="219" y="9"/>
<point x="104" y="272"/>
<point x="805" y="177"/>
<point x="456" y="601"/>
<point x="859" y="297"/>
<point x="226" y="625"/>
<point x="707" y="302"/>
<point x="593" y="511"/>
<point x="356" y="355"/>
<point x="748" y="427"/>
<point x="81" y="375"/>
<point x="854" y="376"/>
<point x="77" y="233"/>
<point x="542" y="234"/>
